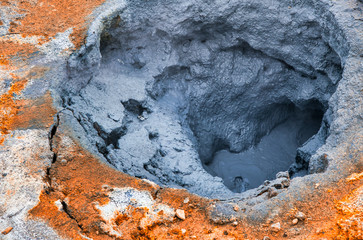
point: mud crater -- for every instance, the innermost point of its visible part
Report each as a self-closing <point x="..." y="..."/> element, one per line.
<point x="212" y="98"/>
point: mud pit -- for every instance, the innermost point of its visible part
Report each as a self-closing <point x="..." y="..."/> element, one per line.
<point x="168" y="91"/>
<point x="171" y="96"/>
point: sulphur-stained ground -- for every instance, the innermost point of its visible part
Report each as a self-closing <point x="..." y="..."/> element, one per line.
<point x="52" y="188"/>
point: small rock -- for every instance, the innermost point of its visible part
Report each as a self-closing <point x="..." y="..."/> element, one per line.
<point x="285" y="183"/>
<point x="235" y="208"/>
<point x="271" y="193"/>
<point x="183" y="231"/>
<point x="235" y="223"/>
<point x="186" y="200"/>
<point x="141" y="118"/>
<point x="266" y="182"/>
<point x="180" y="214"/>
<point x="295" y="221"/>
<point x="64" y="161"/>
<point x="293" y="232"/>
<point x="276" y="227"/>
<point x="7" y="230"/>
<point x="193" y="237"/>
<point x="283" y="175"/>
<point x="300" y="215"/>
<point x="266" y="238"/>
<point x="105" y="187"/>
<point x="59" y="205"/>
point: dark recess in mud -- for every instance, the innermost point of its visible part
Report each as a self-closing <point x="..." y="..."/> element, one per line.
<point x="275" y="152"/>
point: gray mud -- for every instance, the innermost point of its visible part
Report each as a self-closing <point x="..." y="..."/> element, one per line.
<point x="275" y="153"/>
<point x="169" y="84"/>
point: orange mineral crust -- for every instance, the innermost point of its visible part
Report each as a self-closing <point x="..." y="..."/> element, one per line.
<point x="78" y="183"/>
<point x="350" y="220"/>
<point x="11" y="51"/>
<point x="18" y="113"/>
<point x="46" y="18"/>
<point x="9" y="106"/>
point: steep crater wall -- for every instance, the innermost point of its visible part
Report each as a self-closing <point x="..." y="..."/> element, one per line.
<point x="172" y="84"/>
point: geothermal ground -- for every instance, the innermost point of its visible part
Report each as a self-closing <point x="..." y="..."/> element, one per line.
<point x="181" y="119"/>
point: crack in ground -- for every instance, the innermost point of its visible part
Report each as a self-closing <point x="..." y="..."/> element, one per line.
<point x="53" y="131"/>
<point x="101" y="149"/>
<point x="51" y="135"/>
<point x="48" y="178"/>
<point x="66" y="210"/>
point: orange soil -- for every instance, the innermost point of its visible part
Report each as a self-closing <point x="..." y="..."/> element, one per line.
<point x="10" y="50"/>
<point x="8" y="107"/>
<point x="46" y="18"/>
<point x="80" y="182"/>
<point x="17" y="113"/>
<point x="37" y="113"/>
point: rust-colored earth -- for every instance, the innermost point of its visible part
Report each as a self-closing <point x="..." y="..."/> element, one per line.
<point x="78" y="178"/>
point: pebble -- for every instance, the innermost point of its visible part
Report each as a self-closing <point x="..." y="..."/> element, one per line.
<point x="271" y="193"/>
<point x="266" y="238"/>
<point x="285" y="183"/>
<point x="235" y="223"/>
<point x="180" y="214"/>
<point x="141" y="118"/>
<point x="283" y="175"/>
<point x="300" y="215"/>
<point x="59" y="205"/>
<point x="186" y="200"/>
<point x="235" y="208"/>
<point x="183" y="231"/>
<point x="295" y="221"/>
<point x="276" y="227"/>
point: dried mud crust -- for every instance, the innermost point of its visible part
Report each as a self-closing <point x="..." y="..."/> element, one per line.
<point x="76" y="182"/>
